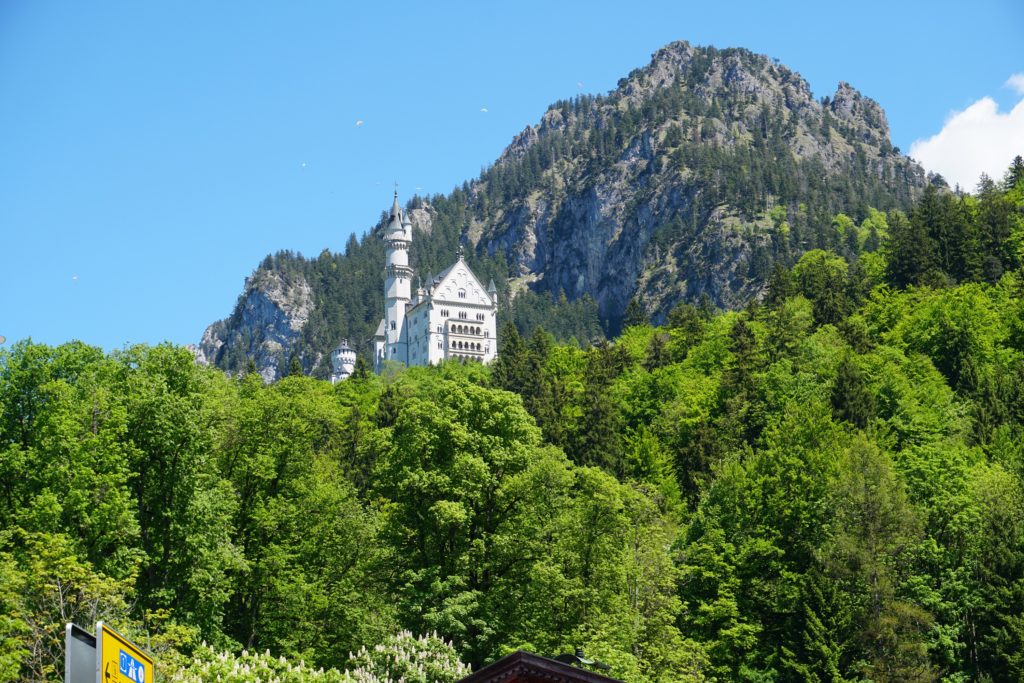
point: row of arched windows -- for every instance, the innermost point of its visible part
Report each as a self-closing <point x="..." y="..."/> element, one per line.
<point x="468" y="346"/>
<point x="465" y="329"/>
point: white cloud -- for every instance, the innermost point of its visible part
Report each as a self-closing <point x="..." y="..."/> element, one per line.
<point x="1016" y="82"/>
<point x="979" y="139"/>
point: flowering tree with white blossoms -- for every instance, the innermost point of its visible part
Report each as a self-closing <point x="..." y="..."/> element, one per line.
<point x="402" y="658"/>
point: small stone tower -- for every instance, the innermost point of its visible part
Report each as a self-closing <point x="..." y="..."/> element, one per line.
<point x="343" y="362"/>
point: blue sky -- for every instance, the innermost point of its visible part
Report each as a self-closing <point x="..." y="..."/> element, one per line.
<point x="152" y="153"/>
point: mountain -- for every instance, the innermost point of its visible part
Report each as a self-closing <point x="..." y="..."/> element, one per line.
<point x="689" y="181"/>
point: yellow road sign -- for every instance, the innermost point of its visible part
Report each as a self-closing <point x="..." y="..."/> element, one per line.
<point x="118" y="660"/>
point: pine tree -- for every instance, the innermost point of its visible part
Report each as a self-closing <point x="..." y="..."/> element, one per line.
<point x="635" y="314"/>
<point x="510" y="371"/>
<point x="780" y="285"/>
<point x="911" y="250"/>
<point x="852" y="400"/>
<point x="361" y="371"/>
<point x="657" y="352"/>
<point x="1015" y="173"/>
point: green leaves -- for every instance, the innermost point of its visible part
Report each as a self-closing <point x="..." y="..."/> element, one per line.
<point x="828" y="487"/>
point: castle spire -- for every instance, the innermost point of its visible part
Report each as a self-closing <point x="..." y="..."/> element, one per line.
<point x="396" y="210"/>
<point x="395" y="224"/>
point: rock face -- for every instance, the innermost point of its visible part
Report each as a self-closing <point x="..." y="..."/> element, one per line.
<point x="599" y="229"/>
<point x="688" y="181"/>
<point x="267" y="322"/>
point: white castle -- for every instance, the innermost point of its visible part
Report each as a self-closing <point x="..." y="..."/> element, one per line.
<point x="453" y="317"/>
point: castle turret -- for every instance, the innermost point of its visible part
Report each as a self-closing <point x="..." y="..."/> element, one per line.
<point x="492" y="291"/>
<point x="397" y="284"/>
<point x="343" y="362"/>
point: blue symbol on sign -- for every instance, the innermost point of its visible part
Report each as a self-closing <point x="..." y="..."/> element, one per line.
<point x="132" y="668"/>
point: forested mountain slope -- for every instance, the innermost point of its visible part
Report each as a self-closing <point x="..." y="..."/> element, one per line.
<point x="688" y="181"/>
<point x="828" y="485"/>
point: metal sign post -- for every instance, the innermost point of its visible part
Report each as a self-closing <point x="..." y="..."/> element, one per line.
<point x="79" y="655"/>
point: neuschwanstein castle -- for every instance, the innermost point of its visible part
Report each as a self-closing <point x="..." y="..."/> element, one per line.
<point x="452" y="317"/>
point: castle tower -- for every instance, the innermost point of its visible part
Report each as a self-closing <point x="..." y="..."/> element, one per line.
<point x="397" y="285"/>
<point x="343" y="362"/>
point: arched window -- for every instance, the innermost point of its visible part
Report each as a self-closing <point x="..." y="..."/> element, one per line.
<point x="487" y="333"/>
<point x="392" y="324"/>
<point x="462" y="315"/>
<point x="462" y="294"/>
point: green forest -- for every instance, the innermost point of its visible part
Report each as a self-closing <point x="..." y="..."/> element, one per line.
<point x="825" y="486"/>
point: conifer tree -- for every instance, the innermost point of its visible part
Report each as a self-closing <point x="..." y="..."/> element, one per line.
<point x="852" y="401"/>
<point x="510" y="371"/>
<point x="911" y="250"/>
<point x="361" y="371"/>
<point x="635" y="314"/>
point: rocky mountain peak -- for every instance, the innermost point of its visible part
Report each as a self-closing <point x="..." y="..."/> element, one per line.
<point x="268" y="320"/>
<point x="657" y="148"/>
<point x="701" y="170"/>
<point x="849" y="105"/>
<point x="664" y="68"/>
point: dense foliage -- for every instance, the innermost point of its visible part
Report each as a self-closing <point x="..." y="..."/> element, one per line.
<point x="825" y="486"/>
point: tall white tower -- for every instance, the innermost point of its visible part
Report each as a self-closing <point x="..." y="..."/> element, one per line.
<point x="397" y="285"/>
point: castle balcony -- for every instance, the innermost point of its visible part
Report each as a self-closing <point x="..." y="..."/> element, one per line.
<point x="470" y="348"/>
<point x="466" y="328"/>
